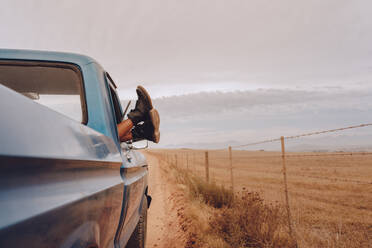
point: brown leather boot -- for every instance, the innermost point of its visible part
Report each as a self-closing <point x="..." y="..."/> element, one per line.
<point x="142" y="108"/>
<point x="149" y="129"/>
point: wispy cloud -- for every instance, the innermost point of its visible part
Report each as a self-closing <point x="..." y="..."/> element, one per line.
<point x="271" y="102"/>
<point x="212" y="118"/>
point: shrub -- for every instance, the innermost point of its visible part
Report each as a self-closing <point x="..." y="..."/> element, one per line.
<point x="241" y="220"/>
<point x="249" y="222"/>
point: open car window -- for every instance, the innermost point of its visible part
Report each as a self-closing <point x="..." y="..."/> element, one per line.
<point x="59" y="86"/>
<point x="115" y="99"/>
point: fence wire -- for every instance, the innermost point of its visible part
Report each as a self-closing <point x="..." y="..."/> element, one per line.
<point x="304" y="134"/>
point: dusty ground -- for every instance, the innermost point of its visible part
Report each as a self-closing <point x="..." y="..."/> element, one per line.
<point x="165" y="213"/>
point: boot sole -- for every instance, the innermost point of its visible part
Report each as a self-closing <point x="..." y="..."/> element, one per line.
<point x="155" y="120"/>
<point x="146" y="94"/>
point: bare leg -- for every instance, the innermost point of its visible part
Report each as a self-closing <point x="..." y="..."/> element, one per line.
<point x="127" y="137"/>
<point x="124" y="129"/>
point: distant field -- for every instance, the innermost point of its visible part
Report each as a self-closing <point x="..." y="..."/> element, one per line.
<point x="330" y="195"/>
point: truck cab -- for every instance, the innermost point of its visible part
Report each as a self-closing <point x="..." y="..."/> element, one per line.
<point x="65" y="178"/>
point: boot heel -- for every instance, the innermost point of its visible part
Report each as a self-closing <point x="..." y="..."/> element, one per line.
<point x="155" y="120"/>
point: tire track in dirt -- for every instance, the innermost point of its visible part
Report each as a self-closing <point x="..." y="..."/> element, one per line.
<point x="164" y="228"/>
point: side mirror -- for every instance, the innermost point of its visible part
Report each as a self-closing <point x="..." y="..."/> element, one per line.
<point x="139" y="145"/>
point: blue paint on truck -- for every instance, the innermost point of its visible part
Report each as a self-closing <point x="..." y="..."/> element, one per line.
<point x="65" y="183"/>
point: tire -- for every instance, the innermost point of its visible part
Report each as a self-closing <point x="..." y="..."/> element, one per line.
<point x="138" y="238"/>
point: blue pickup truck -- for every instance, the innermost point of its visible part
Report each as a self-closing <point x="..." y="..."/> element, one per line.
<point x="65" y="178"/>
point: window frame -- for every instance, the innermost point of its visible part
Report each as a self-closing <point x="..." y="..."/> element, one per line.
<point x="118" y="110"/>
<point x="76" y="68"/>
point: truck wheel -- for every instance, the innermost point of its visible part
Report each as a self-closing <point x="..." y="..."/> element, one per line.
<point x="138" y="238"/>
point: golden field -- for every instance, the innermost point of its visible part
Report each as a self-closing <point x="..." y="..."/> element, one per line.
<point x="329" y="193"/>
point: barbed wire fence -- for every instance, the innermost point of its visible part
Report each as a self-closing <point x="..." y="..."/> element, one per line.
<point x="193" y="162"/>
<point x="282" y="139"/>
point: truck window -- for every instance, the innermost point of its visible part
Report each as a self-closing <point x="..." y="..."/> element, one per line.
<point x="115" y="99"/>
<point x="59" y="86"/>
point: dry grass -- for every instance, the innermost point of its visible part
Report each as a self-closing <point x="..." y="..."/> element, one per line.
<point x="211" y="194"/>
<point x="221" y="219"/>
<point x="252" y="223"/>
<point x="330" y="196"/>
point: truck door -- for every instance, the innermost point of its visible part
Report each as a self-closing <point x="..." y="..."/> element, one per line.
<point x="134" y="172"/>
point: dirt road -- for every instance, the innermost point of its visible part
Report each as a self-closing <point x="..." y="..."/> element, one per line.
<point x="163" y="228"/>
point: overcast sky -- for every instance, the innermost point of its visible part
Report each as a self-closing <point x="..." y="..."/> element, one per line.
<point x="222" y="71"/>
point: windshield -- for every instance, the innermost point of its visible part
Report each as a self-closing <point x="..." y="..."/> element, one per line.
<point x="55" y="85"/>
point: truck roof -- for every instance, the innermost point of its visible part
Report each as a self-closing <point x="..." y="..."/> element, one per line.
<point x="46" y="56"/>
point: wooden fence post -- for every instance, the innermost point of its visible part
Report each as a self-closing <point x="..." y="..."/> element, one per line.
<point x="187" y="161"/>
<point x="195" y="163"/>
<point x="206" y="167"/>
<point x="231" y="169"/>
<point x="291" y="230"/>
<point x="176" y="162"/>
<point x="182" y="160"/>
